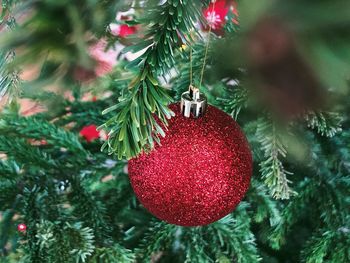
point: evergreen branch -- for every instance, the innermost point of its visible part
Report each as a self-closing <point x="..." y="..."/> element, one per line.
<point x="195" y="249"/>
<point x="117" y="253"/>
<point x="66" y="22"/>
<point x="325" y="123"/>
<point x="235" y="101"/>
<point x="8" y="194"/>
<point x="267" y="207"/>
<point x="39" y="129"/>
<point x="59" y="242"/>
<point x="5" y="226"/>
<point x="234" y="235"/>
<point x="169" y="22"/>
<point x="92" y="211"/>
<point x="317" y="247"/>
<point x="328" y="245"/>
<point x="82" y="240"/>
<point x="272" y="169"/>
<point x="32" y="216"/>
<point x="157" y="238"/>
<point x="24" y="153"/>
<point x="288" y="218"/>
<point x="330" y="209"/>
<point x="8" y="170"/>
<point x="134" y="128"/>
<point x="9" y="79"/>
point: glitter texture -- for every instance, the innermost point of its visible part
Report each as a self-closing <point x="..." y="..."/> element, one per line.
<point x="198" y="174"/>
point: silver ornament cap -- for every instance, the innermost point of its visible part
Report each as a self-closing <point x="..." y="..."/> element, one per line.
<point x="193" y="103"/>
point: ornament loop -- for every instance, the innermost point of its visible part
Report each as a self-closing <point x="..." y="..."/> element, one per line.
<point x="193" y="103"/>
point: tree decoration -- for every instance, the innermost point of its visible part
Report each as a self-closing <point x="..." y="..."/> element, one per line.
<point x="90" y="133"/>
<point x="22" y="227"/>
<point x="126" y="30"/>
<point x="123" y="30"/>
<point x="201" y="170"/>
<point x="217" y="15"/>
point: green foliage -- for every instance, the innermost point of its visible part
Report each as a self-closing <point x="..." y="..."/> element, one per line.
<point x="326" y="123"/>
<point x="73" y="241"/>
<point x="235" y="101"/>
<point x="268" y="208"/>
<point x="116" y="253"/>
<point x="9" y="80"/>
<point x="272" y="169"/>
<point x="39" y="129"/>
<point x="91" y="210"/>
<point x="134" y="127"/>
<point x="231" y="236"/>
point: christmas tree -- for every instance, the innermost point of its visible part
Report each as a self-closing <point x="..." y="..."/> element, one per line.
<point x="85" y="89"/>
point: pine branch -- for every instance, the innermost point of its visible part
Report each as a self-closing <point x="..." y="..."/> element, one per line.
<point x="24" y="153"/>
<point x="8" y="194"/>
<point x="134" y="128"/>
<point x="195" y="245"/>
<point x="9" y="79"/>
<point x="235" y="101"/>
<point x="31" y="213"/>
<point x="5" y="228"/>
<point x="328" y="245"/>
<point x="92" y="212"/>
<point x="272" y="169"/>
<point x="289" y="215"/>
<point x="157" y="238"/>
<point x="39" y="129"/>
<point x="325" y="123"/>
<point x="116" y="253"/>
<point x="234" y="235"/>
<point x="317" y="247"/>
<point x="66" y="24"/>
<point x="8" y="170"/>
<point x="329" y="210"/>
<point x="59" y="242"/>
<point x="265" y="206"/>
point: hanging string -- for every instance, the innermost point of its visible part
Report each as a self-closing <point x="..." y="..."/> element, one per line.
<point x="205" y="54"/>
<point x="191" y="66"/>
<point x="207" y="47"/>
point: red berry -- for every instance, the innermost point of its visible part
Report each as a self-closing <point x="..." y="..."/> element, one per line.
<point x="90" y="132"/>
<point x="22" y="227"/>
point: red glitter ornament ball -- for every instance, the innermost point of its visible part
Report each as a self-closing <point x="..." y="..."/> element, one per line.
<point x="198" y="174"/>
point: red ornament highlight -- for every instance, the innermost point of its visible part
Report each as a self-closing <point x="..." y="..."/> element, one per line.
<point x="22" y="227"/>
<point x="125" y="30"/>
<point x="198" y="174"/>
<point x="90" y="133"/>
<point x="216" y="14"/>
